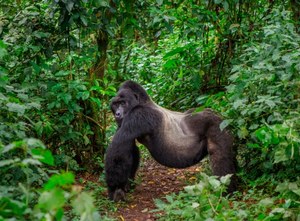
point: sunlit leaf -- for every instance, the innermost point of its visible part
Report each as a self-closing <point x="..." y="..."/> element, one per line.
<point x="30" y="161"/>
<point x="18" y="108"/>
<point x="43" y="155"/>
<point x="224" y="124"/>
<point x="267" y="202"/>
<point x="52" y="200"/>
<point x="83" y="203"/>
<point x="280" y="156"/>
<point x="173" y="52"/>
<point x="9" y="162"/>
<point x="61" y="180"/>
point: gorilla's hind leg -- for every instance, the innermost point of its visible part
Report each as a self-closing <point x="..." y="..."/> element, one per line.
<point x="222" y="160"/>
<point x="219" y="145"/>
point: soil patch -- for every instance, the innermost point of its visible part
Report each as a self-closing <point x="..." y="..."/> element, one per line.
<point x="156" y="182"/>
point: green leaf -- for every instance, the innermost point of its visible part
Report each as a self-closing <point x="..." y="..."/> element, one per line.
<point x="267" y="202"/>
<point x="35" y="48"/>
<point x="195" y="205"/>
<point x="214" y="182"/>
<point x="17" y="108"/>
<point x="225" y="5"/>
<point x="83" y="95"/>
<point x="59" y="214"/>
<point x="103" y="3"/>
<point x="66" y="98"/>
<point x="83" y="20"/>
<point x="40" y="34"/>
<point x="278" y="210"/>
<point x="297" y="191"/>
<point x="262" y="134"/>
<point x="3" y="51"/>
<point x="270" y="103"/>
<point x="45" y="156"/>
<point x="11" y="207"/>
<point x="30" y="161"/>
<point x="280" y="156"/>
<point x="253" y="145"/>
<point x="62" y="180"/>
<point x="80" y="87"/>
<point x="34" y="105"/>
<point x="159" y="2"/>
<point x="2" y="97"/>
<point x="96" y="88"/>
<point x="169" y="198"/>
<point x="225" y="123"/>
<point x="190" y="189"/>
<point x="32" y="142"/>
<point x="226" y="179"/>
<point x="86" y="140"/>
<point x="170" y="64"/>
<point x="9" y="162"/>
<point x="62" y="73"/>
<point x="281" y="187"/>
<point x="36" y="67"/>
<point x="38" y="126"/>
<point x="232" y="26"/>
<point x="69" y="5"/>
<point x="14" y="145"/>
<point x="173" y="52"/>
<point x="238" y="103"/>
<point x="97" y="101"/>
<point x="83" y="203"/>
<point x="52" y="200"/>
<point x="243" y="132"/>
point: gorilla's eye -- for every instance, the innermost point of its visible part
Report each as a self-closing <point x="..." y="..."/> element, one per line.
<point x="122" y="102"/>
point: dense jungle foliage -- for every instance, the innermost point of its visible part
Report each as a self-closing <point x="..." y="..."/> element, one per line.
<point x="61" y="62"/>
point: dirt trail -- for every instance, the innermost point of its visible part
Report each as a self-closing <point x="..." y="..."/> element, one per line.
<point x="156" y="182"/>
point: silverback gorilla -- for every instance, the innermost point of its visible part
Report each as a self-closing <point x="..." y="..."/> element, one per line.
<point x="174" y="139"/>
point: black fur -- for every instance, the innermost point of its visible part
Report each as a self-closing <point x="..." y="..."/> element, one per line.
<point x="174" y="139"/>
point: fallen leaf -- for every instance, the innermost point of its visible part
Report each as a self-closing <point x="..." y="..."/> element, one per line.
<point x="145" y="210"/>
<point x="192" y="178"/>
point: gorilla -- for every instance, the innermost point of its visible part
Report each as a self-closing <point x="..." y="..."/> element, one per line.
<point x="174" y="139"/>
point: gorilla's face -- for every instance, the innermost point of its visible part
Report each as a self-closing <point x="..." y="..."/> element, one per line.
<point x="122" y="104"/>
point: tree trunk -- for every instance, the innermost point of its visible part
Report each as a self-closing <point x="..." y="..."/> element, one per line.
<point x="97" y="73"/>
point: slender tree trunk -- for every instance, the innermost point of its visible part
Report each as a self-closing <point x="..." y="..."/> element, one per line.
<point x="97" y="73"/>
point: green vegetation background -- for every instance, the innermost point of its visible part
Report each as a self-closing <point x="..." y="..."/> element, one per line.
<point x="62" y="61"/>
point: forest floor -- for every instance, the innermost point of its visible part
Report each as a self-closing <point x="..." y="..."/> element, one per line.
<point x="154" y="182"/>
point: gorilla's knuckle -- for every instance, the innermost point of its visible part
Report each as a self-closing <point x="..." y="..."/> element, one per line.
<point x="119" y="195"/>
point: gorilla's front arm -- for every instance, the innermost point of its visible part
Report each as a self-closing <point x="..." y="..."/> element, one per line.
<point x="122" y="156"/>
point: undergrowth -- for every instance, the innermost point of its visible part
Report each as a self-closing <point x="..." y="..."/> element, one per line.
<point x="205" y="201"/>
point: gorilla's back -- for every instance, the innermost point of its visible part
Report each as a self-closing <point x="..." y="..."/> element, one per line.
<point x="177" y="145"/>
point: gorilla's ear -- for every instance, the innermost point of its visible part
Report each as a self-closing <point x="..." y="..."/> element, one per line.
<point x="136" y="97"/>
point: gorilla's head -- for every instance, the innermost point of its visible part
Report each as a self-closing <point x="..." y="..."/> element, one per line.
<point x="129" y="95"/>
<point x="122" y="104"/>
